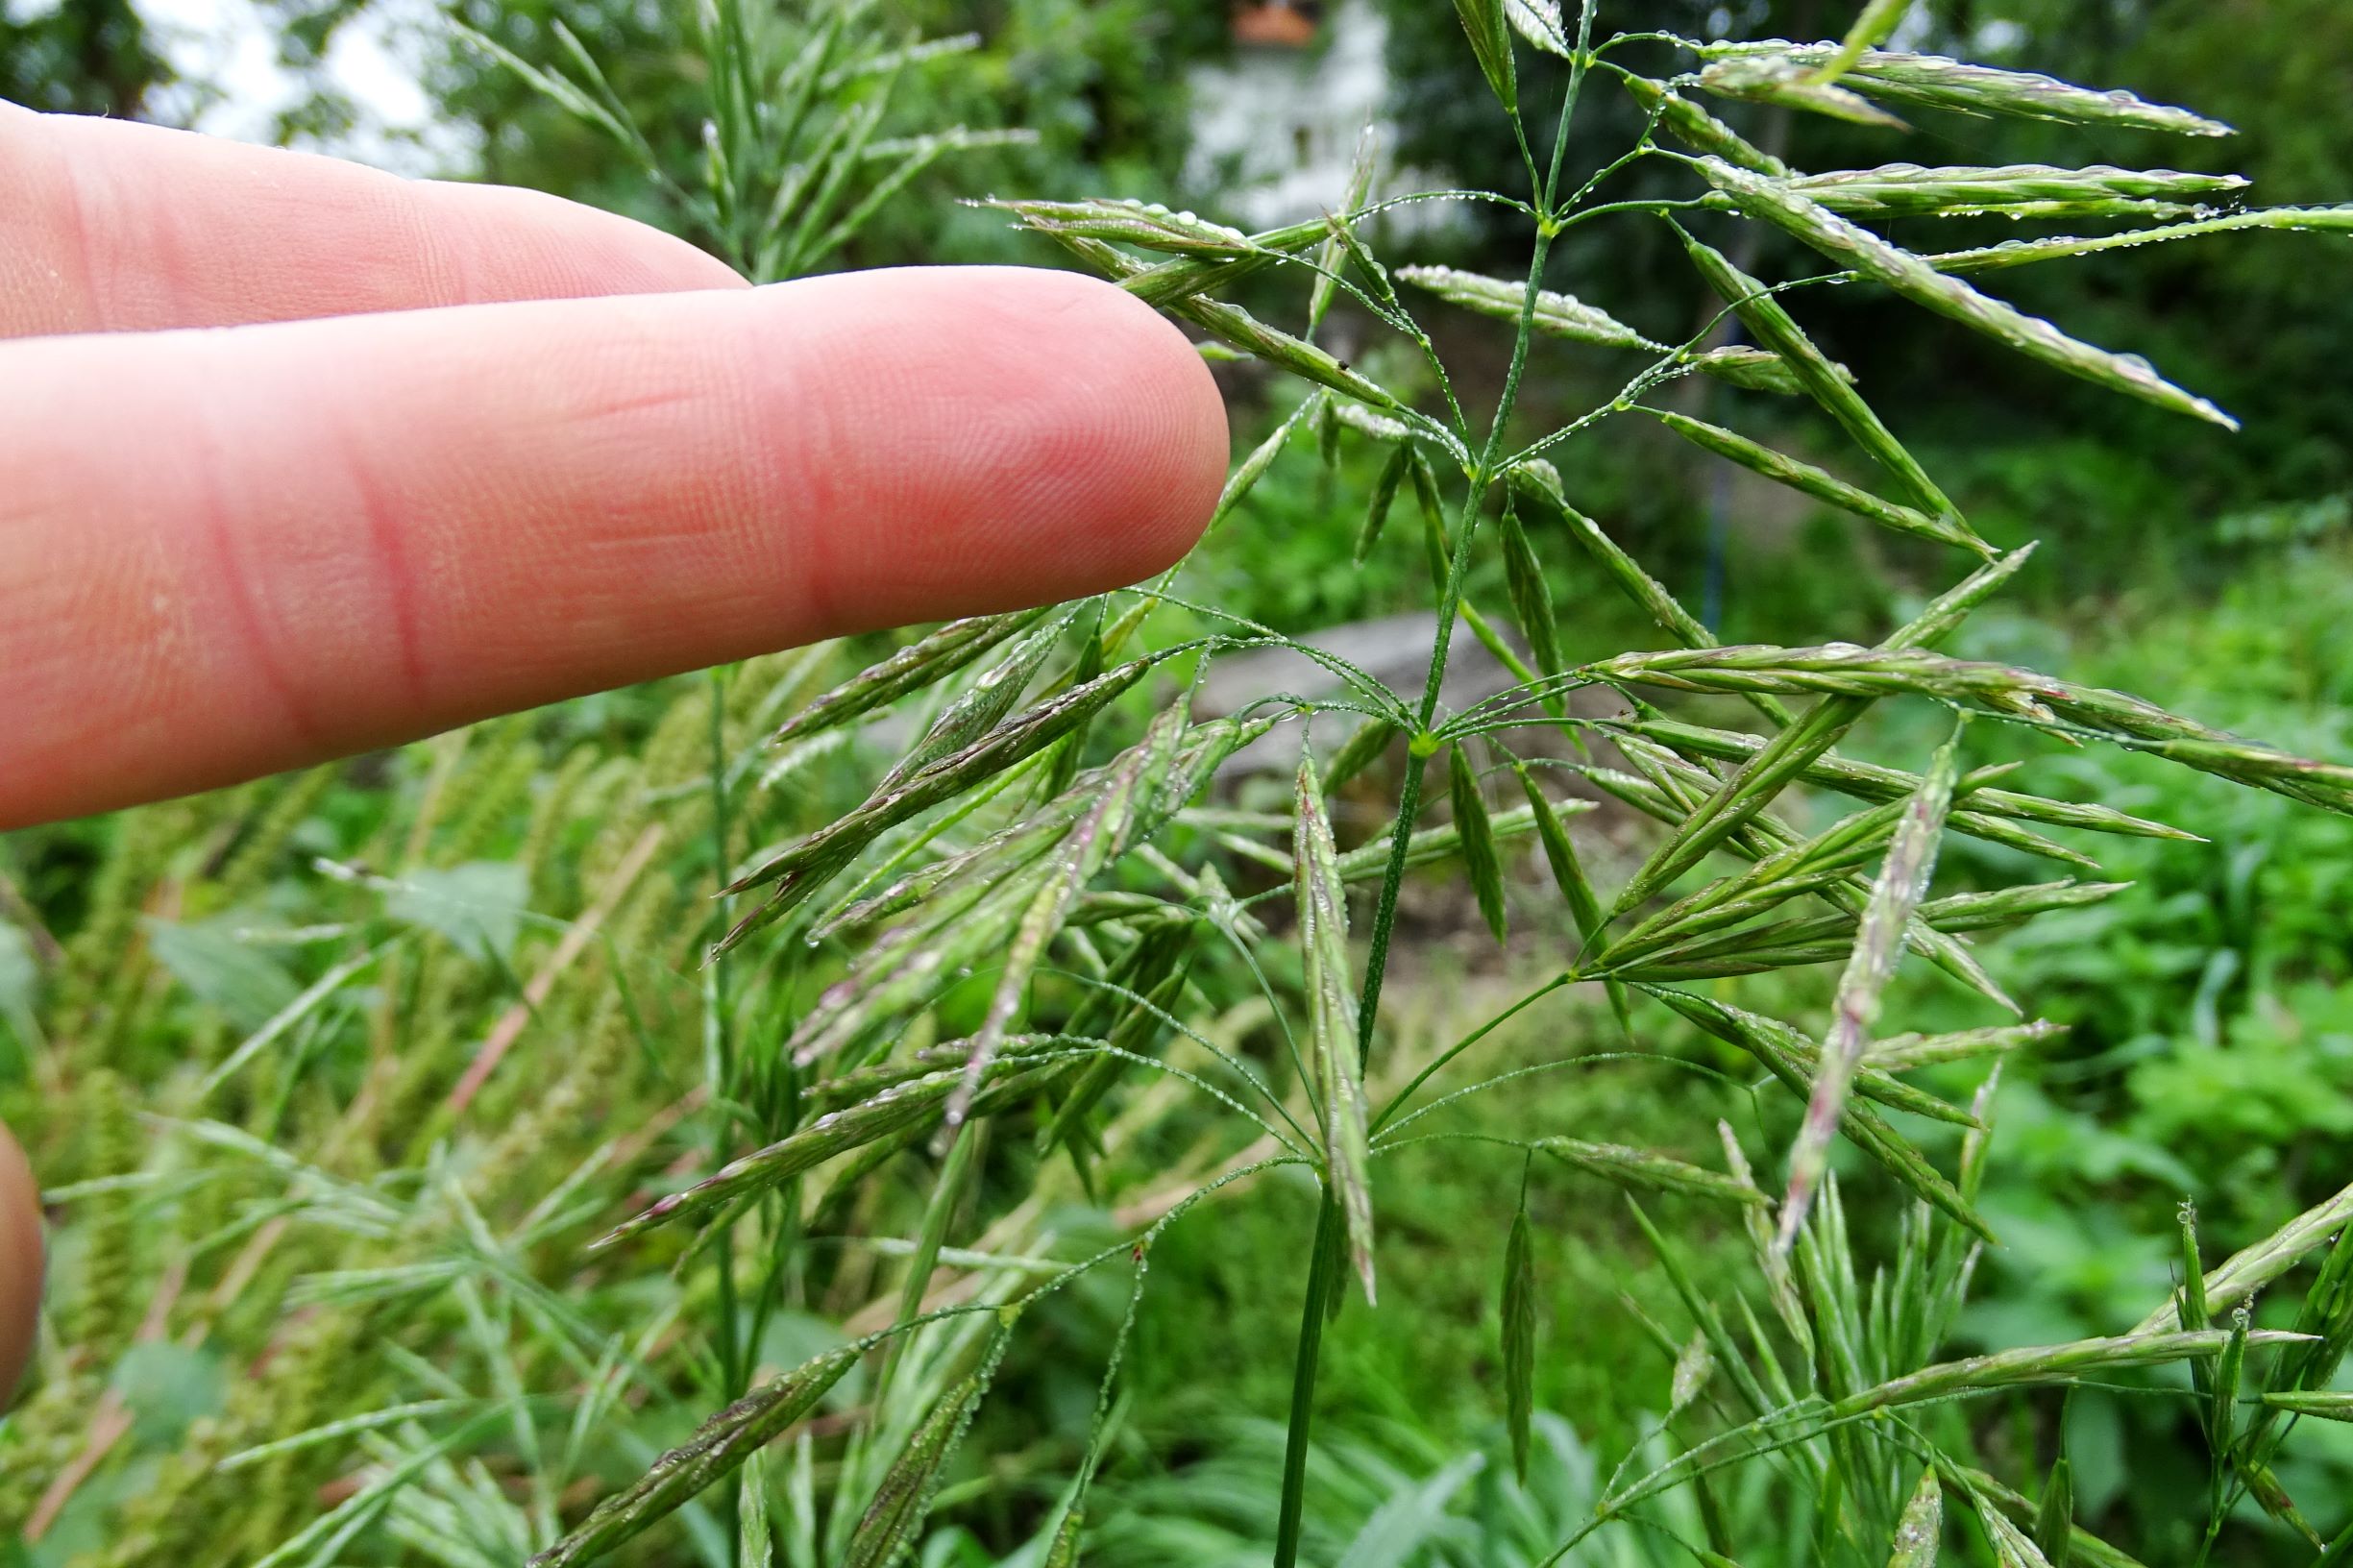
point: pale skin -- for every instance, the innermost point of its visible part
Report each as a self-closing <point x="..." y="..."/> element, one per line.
<point x="299" y="461"/>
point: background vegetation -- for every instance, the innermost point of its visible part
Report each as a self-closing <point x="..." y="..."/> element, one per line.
<point x="358" y="1214"/>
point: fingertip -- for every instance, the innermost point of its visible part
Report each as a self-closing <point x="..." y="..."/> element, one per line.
<point x="1015" y="436"/>
<point x="1154" y="410"/>
<point x="20" y="1264"/>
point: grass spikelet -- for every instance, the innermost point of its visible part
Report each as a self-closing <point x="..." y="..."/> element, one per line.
<point x="2024" y="190"/>
<point x="1145" y="225"/>
<point x="1645" y="1171"/>
<point x="1807" y="480"/>
<point x="1532" y="598"/>
<point x="1332" y="1018"/>
<point x="1774" y="329"/>
<point x="1480" y="862"/>
<point x="1088" y="847"/>
<point x="1864" y="1128"/>
<point x="1252" y="468"/>
<point x="904" y="1495"/>
<point x="932" y="657"/>
<point x="1576" y="887"/>
<point x="719" y="1447"/>
<point x="1490" y="38"/>
<point x="1519" y="1336"/>
<point x="1903" y="880"/>
<point x="800" y="869"/>
<point x="1935" y="82"/>
<point x="981" y="708"/>
<point x="1695" y="128"/>
<point x="1921" y="1531"/>
<point x="1753" y="370"/>
<point x="1807" y="220"/>
<point x="1771" y="78"/>
<point x="1556" y="315"/>
<point x="2054" y="1521"/>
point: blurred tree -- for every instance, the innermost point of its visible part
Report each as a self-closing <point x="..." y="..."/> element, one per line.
<point x="84" y="57"/>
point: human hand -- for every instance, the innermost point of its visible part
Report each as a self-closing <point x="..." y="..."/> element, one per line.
<point x="462" y="450"/>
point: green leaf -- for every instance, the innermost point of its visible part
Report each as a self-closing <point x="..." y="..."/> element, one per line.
<point x="241" y="980"/>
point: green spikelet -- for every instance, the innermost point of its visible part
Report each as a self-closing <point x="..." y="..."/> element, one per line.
<point x="558" y="807"/>
<point x="484" y="795"/>
<point x="259" y="851"/>
<point x="98" y="1321"/>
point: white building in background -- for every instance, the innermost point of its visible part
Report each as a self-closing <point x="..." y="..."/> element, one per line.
<point x="1275" y="130"/>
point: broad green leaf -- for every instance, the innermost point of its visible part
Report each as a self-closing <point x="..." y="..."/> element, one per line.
<point x="240" y="979"/>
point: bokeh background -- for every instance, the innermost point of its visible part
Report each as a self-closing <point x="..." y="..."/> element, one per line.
<point x="2211" y="1050"/>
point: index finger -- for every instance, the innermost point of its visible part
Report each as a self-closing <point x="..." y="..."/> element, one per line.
<point x="107" y="226"/>
<point x="224" y="553"/>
